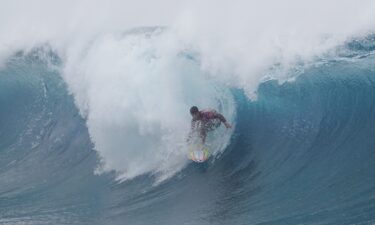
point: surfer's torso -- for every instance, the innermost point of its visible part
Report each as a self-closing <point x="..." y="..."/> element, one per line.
<point x="208" y="118"/>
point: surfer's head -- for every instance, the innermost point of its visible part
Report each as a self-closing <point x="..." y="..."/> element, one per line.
<point x="194" y="111"/>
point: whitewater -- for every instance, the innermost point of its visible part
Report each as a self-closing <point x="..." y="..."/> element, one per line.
<point x="95" y="99"/>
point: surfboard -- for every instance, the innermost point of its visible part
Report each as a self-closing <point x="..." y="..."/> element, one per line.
<point x="199" y="153"/>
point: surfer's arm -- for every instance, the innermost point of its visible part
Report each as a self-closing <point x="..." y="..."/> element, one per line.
<point x="222" y="119"/>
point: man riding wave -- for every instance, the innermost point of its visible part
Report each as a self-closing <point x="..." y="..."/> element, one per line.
<point x="204" y="121"/>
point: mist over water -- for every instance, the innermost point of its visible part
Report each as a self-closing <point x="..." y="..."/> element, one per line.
<point x="95" y="98"/>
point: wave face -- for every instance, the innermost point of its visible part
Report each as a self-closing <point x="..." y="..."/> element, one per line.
<point x="302" y="153"/>
<point x="46" y="165"/>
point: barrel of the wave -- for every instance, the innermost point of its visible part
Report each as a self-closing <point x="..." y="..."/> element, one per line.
<point x="199" y="153"/>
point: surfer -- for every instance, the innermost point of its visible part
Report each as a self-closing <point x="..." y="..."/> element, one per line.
<point x="204" y="121"/>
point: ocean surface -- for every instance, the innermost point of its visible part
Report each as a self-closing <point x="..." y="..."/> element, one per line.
<point x="94" y="134"/>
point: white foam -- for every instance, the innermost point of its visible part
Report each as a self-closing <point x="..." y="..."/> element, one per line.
<point x="136" y="91"/>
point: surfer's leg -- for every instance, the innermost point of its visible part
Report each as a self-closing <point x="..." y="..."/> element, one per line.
<point x="203" y="134"/>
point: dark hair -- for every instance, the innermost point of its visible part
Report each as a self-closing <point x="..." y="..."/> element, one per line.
<point x="194" y="110"/>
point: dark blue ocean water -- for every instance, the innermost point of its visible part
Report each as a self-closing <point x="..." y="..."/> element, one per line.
<point x="302" y="153"/>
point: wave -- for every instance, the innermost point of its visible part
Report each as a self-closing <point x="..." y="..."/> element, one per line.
<point x="300" y="153"/>
<point x="93" y="119"/>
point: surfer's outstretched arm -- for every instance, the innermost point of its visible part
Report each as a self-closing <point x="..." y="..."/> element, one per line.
<point x="222" y="119"/>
